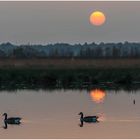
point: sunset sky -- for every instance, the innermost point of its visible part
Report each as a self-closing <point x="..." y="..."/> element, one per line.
<point x="52" y="22"/>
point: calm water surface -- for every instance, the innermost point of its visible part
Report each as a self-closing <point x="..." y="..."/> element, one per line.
<point x="54" y="114"/>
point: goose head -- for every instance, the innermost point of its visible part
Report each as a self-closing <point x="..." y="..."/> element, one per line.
<point x="81" y="113"/>
<point x="5" y="114"/>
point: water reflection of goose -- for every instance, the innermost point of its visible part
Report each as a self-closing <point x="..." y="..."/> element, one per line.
<point x="12" y="120"/>
<point x="88" y="119"/>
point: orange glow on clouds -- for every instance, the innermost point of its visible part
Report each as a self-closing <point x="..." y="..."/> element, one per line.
<point x="97" y="95"/>
<point x="97" y="18"/>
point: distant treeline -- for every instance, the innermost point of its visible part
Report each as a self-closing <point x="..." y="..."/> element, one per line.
<point x="64" y="50"/>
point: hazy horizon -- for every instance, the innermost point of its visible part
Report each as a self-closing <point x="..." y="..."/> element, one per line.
<point x="68" y="22"/>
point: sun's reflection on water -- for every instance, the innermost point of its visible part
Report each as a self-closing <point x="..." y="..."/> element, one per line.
<point x="97" y="95"/>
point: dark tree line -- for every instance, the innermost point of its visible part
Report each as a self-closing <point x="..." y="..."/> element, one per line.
<point x="64" y="50"/>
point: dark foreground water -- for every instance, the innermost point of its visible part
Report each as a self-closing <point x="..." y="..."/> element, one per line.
<point x="54" y="114"/>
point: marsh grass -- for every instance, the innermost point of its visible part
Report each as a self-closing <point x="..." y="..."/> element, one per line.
<point x="26" y="78"/>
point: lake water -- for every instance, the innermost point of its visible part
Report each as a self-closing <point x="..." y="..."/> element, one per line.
<point x="54" y="114"/>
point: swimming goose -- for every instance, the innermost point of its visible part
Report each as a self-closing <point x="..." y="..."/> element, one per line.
<point x="12" y="120"/>
<point x="88" y="119"/>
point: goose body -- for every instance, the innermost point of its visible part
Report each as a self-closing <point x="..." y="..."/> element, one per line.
<point x="88" y="119"/>
<point x="11" y="120"/>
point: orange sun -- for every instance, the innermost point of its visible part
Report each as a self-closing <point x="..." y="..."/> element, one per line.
<point x="97" y="18"/>
<point x="97" y="95"/>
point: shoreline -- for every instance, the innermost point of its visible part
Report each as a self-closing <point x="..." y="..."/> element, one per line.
<point x="69" y="63"/>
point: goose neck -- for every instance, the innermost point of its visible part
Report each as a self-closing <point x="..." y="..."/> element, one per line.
<point x="5" y="116"/>
<point x="82" y="116"/>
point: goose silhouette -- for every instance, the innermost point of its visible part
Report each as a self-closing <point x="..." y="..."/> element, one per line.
<point x="11" y="120"/>
<point x="88" y="119"/>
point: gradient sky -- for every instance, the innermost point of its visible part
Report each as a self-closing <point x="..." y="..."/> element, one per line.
<point x="52" y="22"/>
